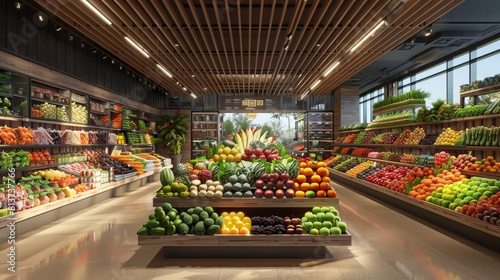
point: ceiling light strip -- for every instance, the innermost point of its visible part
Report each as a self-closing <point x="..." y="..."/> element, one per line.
<point x="302" y="96"/>
<point x="193" y="95"/>
<point x="315" y="84"/>
<point x="164" y="70"/>
<point x="137" y="47"/>
<point x="91" y="7"/>
<point x="327" y="72"/>
<point x="383" y="22"/>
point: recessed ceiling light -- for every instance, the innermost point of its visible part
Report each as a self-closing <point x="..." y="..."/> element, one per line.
<point x="318" y="45"/>
<point x="41" y="18"/>
<point x="192" y="76"/>
<point x="176" y="45"/>
<point x="18" y="5"/>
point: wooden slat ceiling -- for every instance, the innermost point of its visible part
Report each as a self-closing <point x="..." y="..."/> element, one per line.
<point x="243" y="47"/>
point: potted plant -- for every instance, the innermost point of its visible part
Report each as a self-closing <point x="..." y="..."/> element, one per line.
<point x="172" y="131"/>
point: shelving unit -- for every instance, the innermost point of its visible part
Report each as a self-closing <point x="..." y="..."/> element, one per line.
<point x="205" y="130"/>
<point x="319" y="132"/>
<point x="27" y="93"/>
<point x="468" y="227"/>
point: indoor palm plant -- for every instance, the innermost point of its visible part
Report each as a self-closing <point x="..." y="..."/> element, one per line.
<point x="172" y="131"/>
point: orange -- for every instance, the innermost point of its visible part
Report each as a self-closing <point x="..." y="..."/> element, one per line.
<point x="321" y="164"/>
<point x="303" y="164"/>
<point x="301" y="179"/>
<point x="296" y="186"/>
<point x="312" y="164"/>
<point x="325" y="179"/>
<point x="322" y="171"/>
<point x="324" y="186"/>
<point x="305" y="186"/>
<point x="316" y="179"/>
<point x="314" y="187"/>
<point x="331" y="193"/>
<point x="320" y="193"/>
<point x="308" y="171"/>
<point x="299" y="194"/>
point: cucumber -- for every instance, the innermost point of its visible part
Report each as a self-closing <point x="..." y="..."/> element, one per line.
<point x="152" y="223"/>
<point x="157" y="231"/>
<point x="143" y="231"/>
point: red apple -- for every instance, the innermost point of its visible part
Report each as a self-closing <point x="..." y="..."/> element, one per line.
<point x="262" y="157"/>
<point x="290" y="184"/>
<point x="274" y="151"/>
<point x="270" y="185"/>
<point x="244" y="157"/>
<point x="269" y="194"/>
<point x="290" y="193"/>
<point x="259" y="193"/>
<point x="259" y="184"/>
<point x="284" y="176"/>
<point x="279" y="193"/>
<point x="248" y="151"/>
<point x="258" y="151"/>
<point x="252" y="157"/>
<point x="267" y="152"/>
<point x="279" y="184"/>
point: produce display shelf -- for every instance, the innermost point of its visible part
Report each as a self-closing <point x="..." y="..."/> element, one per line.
<point x="224" y="202"/>
<point x="425" y="147"/>
<point x="54" y="146"/>
<point x="36" y="217"/>
<point x="37" y="167"/>
<point x="35" y="120"/>
<point x="480" y="91"/>
<point x="49" y="101"/>
<point x="387" y="110"/>
<point x="98" y="113"/>
<point x="481" y="174"/>
<point x="415" y="124"/>
<point x="273" y="240"/>
<point x="135" y="130"/>
<point x="411" y="165"/>
<point x="457" y="223"/>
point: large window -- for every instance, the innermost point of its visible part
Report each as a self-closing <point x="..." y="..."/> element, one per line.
<point x="366" y="104"/>
<point x="442" y="80"/>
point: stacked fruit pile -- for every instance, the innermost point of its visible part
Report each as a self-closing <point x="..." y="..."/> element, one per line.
<point x="313" y="180"/>
<point x="323" y="221"/>
<point x="448" y="137"/>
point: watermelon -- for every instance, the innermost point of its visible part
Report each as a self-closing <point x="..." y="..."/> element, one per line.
<point x="166" y="177"/>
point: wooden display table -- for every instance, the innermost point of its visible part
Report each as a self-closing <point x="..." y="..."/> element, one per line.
<point x="245" y="246"/>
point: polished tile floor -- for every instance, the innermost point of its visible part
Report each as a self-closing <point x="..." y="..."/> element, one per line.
<point x="100" y="244"/>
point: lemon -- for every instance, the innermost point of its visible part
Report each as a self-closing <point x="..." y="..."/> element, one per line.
<point x="227" y="219"/>
<point x="235" y="219"/>
<point x="240" y="215"/>
<point x="222" y="157"/>
<point x="223" y="214"/>
<point x="220" y="151"/>
<point x="234" y="151"/>
<point x="227" y="151"/>
<point x="229" y="225"/>
<point x="247" y="226"/>
<point x="246" y="220"/>
<point x="244" y="231"/>
<point x="234" y="230"/>
<point x="216" y="158"/>
<point x="230" y="158"/>
<point x="225" y="230"/>
<point x="232" y="214"/>
<point x="239" y="225"/>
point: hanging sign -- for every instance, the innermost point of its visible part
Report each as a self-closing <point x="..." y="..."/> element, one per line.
<point x="250" y="103"/>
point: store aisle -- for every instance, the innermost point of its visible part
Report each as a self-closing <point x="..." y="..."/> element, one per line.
<point x="100" y="243"/>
